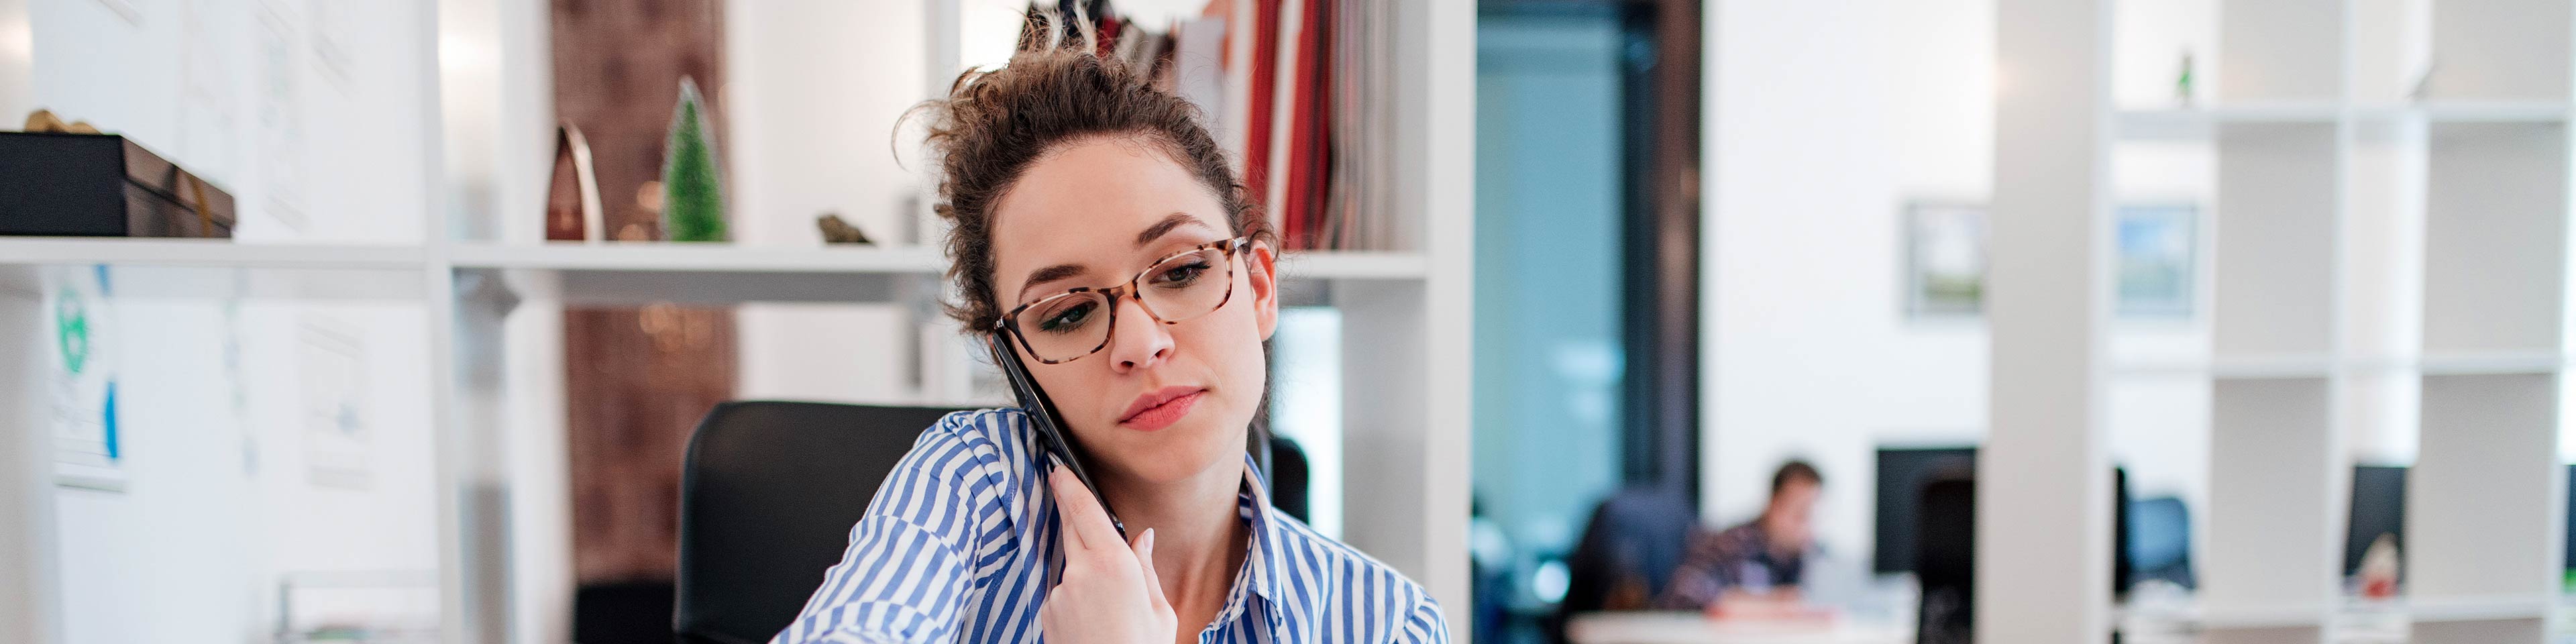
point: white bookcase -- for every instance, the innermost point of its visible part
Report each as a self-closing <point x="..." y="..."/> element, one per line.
<point x="2326" y="158"/>
<point x="491" y="298"/>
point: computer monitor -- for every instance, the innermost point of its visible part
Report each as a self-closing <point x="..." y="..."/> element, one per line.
<point x="1902" y="474"/>
<point x="2378" y="507"/>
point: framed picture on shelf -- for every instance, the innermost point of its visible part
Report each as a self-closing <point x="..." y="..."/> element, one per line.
<point x="2159" y="254"/>
<point x="1945" y="259"/>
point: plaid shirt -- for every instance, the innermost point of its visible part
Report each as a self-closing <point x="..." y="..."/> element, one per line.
<point x="1739" y="558"/>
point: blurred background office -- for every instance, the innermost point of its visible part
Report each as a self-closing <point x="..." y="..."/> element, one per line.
<point x="1996" y="320"/>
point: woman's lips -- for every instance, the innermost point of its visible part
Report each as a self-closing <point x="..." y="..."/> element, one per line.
<point x="1162" y="415"/>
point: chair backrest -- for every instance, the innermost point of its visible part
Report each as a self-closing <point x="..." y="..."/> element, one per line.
<point x="1287" y="471"/>
<point x="622" y="612"/>
<point x="2160" y="540"/>
<point x="768" y="494"/>
<point x="1627" y="553"/>
<point x="1945" y="559"/>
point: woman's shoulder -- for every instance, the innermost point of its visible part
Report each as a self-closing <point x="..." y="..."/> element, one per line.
<point x="988" y="444"/>
<point x="1355" y="579"/>
<point x="979" y="429"/>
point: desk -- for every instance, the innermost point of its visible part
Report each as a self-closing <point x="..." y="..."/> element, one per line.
<point x="1689" y="627"/>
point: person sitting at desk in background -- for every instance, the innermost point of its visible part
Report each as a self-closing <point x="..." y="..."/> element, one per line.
<point x="1100" y="230"/>
<point x="1759" y="562"/>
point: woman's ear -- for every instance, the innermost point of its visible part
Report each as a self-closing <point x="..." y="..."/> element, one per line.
<point x="1263" y="268"/>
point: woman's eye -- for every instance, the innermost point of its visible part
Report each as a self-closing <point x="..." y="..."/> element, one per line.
<point x="1181" y="275"/>
<point x="1068" y="319"/>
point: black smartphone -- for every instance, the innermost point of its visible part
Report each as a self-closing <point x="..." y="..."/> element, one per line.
<point x="1042" y="416"/>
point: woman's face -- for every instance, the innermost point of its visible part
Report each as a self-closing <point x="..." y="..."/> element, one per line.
<point x="1161" y="402"/>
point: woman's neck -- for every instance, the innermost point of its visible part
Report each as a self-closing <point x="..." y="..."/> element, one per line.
<point x="1199" y="540"/>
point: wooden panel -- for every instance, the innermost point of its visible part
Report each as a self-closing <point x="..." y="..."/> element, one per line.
<point x="2500" y="50"/>
<point x="637" y="379"/>
<point x="2276" y="240"/>
<point x="2483" y="513"/>
<point x="2271" y="635"/>
<point x="2276" y="468"/>
<point x="637" y="382"/>
<point x="2480" y="632"/>
<point x="2280" y="50"/>
<point x="2495" y="225"/>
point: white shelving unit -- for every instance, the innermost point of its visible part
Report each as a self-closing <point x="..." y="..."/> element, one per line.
<point x="493" y="298"/>
<point x="2312" y="133"/>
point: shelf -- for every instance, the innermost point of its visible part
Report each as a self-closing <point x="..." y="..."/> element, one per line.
<point x="2320" y="366"/>
<point x="2460" y="111"/>
<point x="2199" y="122"/>
<point x="1354" y="265"/>
<point x="724" y="258"/>
<point x="2480" y="609"/>
<point x="2271" y="367"/>
<point x="216" y="253"/>
<point x="615" y="274"/>
<point x="697" y="258"/>
<point x="629" y="273"/>
<point x="2491" y="363"/>
<point x="2264" y="617"/>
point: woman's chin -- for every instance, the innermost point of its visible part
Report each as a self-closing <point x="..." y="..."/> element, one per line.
<point x="1167" y="463"/>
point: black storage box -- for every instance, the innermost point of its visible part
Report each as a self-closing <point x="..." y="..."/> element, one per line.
<point x="102" y="185"/>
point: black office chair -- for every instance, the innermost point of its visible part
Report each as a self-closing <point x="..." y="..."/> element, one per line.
<point x="769" y="491"/>
<point x="1627" y="554"/>
<point x="1285" y="465"/>
<point x="1945" y="559"/>
<point x="623" y="612"/>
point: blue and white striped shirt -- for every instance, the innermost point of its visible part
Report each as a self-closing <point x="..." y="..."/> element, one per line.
<point x="955" y="548"/>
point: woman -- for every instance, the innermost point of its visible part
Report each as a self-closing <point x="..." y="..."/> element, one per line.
<point x="1099" y="225"/>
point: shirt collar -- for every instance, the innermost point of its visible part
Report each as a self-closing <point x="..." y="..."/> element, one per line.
<point x="1267" y="546"/>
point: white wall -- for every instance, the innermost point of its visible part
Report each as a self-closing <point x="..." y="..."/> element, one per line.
<point x="813" y="114"/>
<point x="308" y="113"/>
<point x="1827" y="117"/>
<point x="1810" y="353"/>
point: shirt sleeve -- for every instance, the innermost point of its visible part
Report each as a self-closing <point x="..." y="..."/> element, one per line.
<point x="910" y="562"/>
<point x="1707" y="569"/>
<point x="1423" y="624"/>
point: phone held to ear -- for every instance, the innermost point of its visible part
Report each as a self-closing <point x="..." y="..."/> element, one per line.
<point x="1042" y="416"/>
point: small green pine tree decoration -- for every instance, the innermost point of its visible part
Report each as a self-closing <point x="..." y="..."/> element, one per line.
<point x="692" y="189"/>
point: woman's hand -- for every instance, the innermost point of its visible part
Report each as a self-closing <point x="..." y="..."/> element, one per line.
<point x="1109" y="593"/>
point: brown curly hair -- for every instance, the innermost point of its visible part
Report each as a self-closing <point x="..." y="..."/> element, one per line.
<point x="994" y="124"/>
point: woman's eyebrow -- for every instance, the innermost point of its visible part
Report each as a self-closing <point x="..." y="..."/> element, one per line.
<point x="1160" y="228"/>
<point x="1049" y="274"/>
<point x="1060" y="271"/>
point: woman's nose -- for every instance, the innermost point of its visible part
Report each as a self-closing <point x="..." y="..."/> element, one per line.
<point x="1137" y="340"/>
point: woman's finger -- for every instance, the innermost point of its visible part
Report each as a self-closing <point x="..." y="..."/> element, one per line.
<point x="1080" y="513"/>
<point x="1145" y="559"/>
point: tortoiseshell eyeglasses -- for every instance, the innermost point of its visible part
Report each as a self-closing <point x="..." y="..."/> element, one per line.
<point x="1076" y="323"/>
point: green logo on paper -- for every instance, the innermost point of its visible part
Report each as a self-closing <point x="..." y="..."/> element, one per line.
<point x="71" y="331"/>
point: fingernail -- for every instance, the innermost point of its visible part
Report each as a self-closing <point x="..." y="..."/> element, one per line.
<point x="1149" y="539"/>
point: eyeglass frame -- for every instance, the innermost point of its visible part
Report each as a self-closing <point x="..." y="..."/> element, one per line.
<point x="1008" y="322"/>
